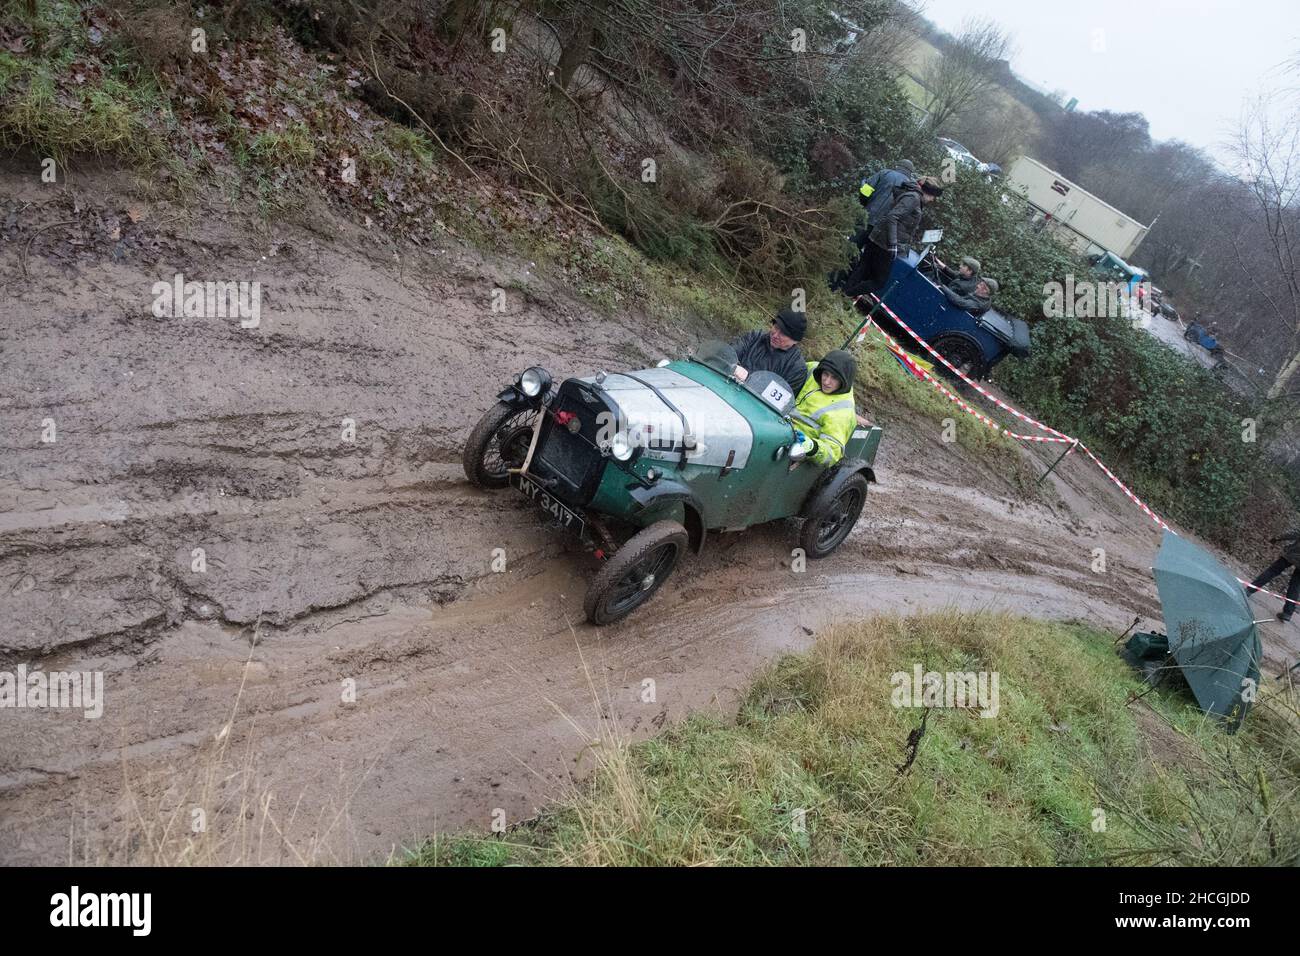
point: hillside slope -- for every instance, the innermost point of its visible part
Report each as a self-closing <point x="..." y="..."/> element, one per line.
<point x="328" y="561"/>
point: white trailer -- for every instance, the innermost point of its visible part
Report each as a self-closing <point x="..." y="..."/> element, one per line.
<point x="1075" y="216"/>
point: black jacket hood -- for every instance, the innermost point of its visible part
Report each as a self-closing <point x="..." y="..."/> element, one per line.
<point x="843" y="365"/>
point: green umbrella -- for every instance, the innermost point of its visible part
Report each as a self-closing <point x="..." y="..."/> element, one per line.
<point x="1211" y="628"/>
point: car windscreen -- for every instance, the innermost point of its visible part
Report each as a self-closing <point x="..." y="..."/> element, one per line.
<point x="775" y="391"/>
<point x="718" y="356"/>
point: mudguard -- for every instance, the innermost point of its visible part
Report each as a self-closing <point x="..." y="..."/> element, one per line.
<point x="842" y="471"/>
<point x="515" y="398"/>
<point x="667" y="491"/>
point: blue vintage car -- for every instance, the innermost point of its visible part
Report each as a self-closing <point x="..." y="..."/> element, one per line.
<point x="973" y="344"/>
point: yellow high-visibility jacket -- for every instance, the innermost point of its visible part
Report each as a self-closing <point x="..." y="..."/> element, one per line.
<point x="828" y="419"/>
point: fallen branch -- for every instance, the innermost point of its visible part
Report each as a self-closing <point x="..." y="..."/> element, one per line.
<point x="22" y="259"/>
<point x="432" y="132"/>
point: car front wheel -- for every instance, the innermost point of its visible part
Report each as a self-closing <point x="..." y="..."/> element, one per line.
<point x="498" y="443"/>
<point x="635" y="572"/>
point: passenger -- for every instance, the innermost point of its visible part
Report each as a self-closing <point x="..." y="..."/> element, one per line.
<point x="776" y="350"/>
<point x="824" y="411"/>
<point x="977" y="302"/>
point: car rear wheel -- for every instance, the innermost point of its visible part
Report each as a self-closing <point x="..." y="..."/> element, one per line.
<point x="635" y="572"/>
<point x="964" y="354"/>
<point x="831" y="515"/>
<point x="498" y="443"/>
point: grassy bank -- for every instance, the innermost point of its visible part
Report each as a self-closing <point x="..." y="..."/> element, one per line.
<point x="1068" y="771"/>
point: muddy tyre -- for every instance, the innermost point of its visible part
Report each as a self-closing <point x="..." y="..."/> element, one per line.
<point x="964" y="354"/>
<point x="831" y="515"/>
<point x="498" y="443"/>
<point x="636" y="571"/>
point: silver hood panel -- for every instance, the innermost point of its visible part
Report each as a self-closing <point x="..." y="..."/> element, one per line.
<point x="718" y="428"/>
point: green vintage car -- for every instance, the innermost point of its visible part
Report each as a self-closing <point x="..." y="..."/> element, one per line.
<point x="656" y="458"/>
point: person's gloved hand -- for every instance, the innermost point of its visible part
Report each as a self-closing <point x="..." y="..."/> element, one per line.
<point x="803" y="447"/>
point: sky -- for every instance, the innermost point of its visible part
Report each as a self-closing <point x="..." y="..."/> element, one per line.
<point x="1189" y="66"/>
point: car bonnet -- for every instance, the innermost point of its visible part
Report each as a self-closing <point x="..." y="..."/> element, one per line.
<point x="718" y="428"/>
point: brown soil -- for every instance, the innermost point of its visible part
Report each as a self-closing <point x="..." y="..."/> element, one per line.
<point x="371" y="561"/>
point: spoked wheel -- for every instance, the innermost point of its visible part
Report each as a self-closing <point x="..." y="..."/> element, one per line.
<point x="831" y="515"/>
<point x="635" y="572"/>
<point x="964" y="354"/>
<point x="498" y="443"/>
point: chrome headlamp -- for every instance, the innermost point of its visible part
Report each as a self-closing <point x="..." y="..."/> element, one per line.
<point x="620" y="447"/>
<point x="535" y="381"/>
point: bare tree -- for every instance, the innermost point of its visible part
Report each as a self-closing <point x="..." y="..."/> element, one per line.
<point x="966" y="72"/>
<point x="1269" y="151"/>
<point x="998" y="134"/>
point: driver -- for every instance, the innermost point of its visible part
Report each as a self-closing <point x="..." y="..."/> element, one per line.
<point x="825" y="411"/>
<point x="966" y="276"/>
<point x="776" y="350"/>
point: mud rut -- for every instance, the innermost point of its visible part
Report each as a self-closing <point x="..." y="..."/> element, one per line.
<point x="371" y="560"/>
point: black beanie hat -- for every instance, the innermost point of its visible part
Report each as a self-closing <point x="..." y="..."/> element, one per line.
<point x="792" y="323"/>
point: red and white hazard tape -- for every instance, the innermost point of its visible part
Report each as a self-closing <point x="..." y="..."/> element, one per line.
<point x="1052" y="436"/>
<point x="1015" y="412"/>
<point x="921" y="373"/>
<point x="1124" y="488"/>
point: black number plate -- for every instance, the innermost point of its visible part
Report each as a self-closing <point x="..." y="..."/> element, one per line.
<point x="561" y="514"/>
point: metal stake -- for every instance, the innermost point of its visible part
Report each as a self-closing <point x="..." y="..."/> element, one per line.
<point x="1058" y="461"/>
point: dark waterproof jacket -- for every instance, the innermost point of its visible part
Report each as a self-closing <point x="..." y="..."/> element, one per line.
<point x="1291" y="546"/>
<point x="896" y="228"/>
<point x="964" y="286"/>
<point x="884" y="183"/>
<point x="974" y="303"/>
<point x="754" y="353"/>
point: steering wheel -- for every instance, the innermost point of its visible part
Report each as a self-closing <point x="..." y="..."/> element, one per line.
<point x="933" y="271"/>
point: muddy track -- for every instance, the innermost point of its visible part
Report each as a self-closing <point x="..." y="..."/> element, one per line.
<point x="368" y="559"/>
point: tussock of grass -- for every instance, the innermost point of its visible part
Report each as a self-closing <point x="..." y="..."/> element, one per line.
<point x="66" y="96"/>
<point x="291" y="147"/>
<point x="407" y="143"/>
<point x="817" y="733"/>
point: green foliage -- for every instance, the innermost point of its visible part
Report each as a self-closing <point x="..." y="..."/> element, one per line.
<point x="860" y="108"/>
<point x="1166" y="423"/>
